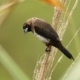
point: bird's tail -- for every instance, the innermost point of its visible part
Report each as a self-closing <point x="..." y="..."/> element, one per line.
<point x="66" y="52"/>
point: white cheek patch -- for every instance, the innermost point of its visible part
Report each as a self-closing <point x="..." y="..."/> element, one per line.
<point x="45" y="40"/>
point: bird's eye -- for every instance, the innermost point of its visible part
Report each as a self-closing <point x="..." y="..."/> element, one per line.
<point x="24" y="26"/>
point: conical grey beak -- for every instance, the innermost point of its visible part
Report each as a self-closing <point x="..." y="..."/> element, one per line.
<point x="26" y="30"/>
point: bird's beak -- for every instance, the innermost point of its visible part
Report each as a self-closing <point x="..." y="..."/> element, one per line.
<point x="26" y="30"/>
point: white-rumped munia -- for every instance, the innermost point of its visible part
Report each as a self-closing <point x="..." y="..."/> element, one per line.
<point x="44" y="31"/>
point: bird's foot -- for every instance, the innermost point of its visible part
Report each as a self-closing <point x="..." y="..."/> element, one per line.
<point x="47" y="50"/>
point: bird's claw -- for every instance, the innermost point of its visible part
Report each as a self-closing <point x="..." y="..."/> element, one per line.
<point x="47" y="50"/>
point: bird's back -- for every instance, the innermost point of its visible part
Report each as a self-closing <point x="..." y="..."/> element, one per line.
<point x="44" y="29"/>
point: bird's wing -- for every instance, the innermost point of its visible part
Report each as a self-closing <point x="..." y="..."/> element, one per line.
<point x="44" y="29"/>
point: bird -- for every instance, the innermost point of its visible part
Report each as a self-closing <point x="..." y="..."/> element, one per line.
<point x="44" y="32"/>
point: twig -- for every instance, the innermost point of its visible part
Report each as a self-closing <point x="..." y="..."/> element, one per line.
<point x="70" y="67"/>
<point x="43" y="68"/>
<point x="60" y="58"/>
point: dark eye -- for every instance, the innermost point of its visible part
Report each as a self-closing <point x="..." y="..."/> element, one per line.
<point x="24" y="26"/>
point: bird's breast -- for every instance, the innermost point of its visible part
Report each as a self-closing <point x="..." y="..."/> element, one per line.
<point x="41" y="38"/>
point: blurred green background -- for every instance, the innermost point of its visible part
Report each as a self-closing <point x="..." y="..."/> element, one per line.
<point x="25" y="50"/>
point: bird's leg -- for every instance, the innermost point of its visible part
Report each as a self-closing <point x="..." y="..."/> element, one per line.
<point x="48" y="49"/>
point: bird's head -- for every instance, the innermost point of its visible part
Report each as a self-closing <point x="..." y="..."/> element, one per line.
<point x="27" y="26"/>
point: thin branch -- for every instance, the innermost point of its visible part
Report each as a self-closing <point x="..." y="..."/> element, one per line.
<point x="43" y="70"/>
<point x="60" y="58"/>
<point x="70" y="67"/>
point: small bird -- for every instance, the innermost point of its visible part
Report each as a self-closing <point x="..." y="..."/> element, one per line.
<point x="44" y="32"/>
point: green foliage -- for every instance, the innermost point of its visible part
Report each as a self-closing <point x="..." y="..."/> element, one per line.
<point x="26" y="49"/>
<point x="9" y="64"/>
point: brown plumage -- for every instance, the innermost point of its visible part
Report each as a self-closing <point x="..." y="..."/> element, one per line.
<point x="46" y="34"/>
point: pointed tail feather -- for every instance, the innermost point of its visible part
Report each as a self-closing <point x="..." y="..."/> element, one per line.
<point x="66" y="52"/>
<point x="59" y="45"/>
